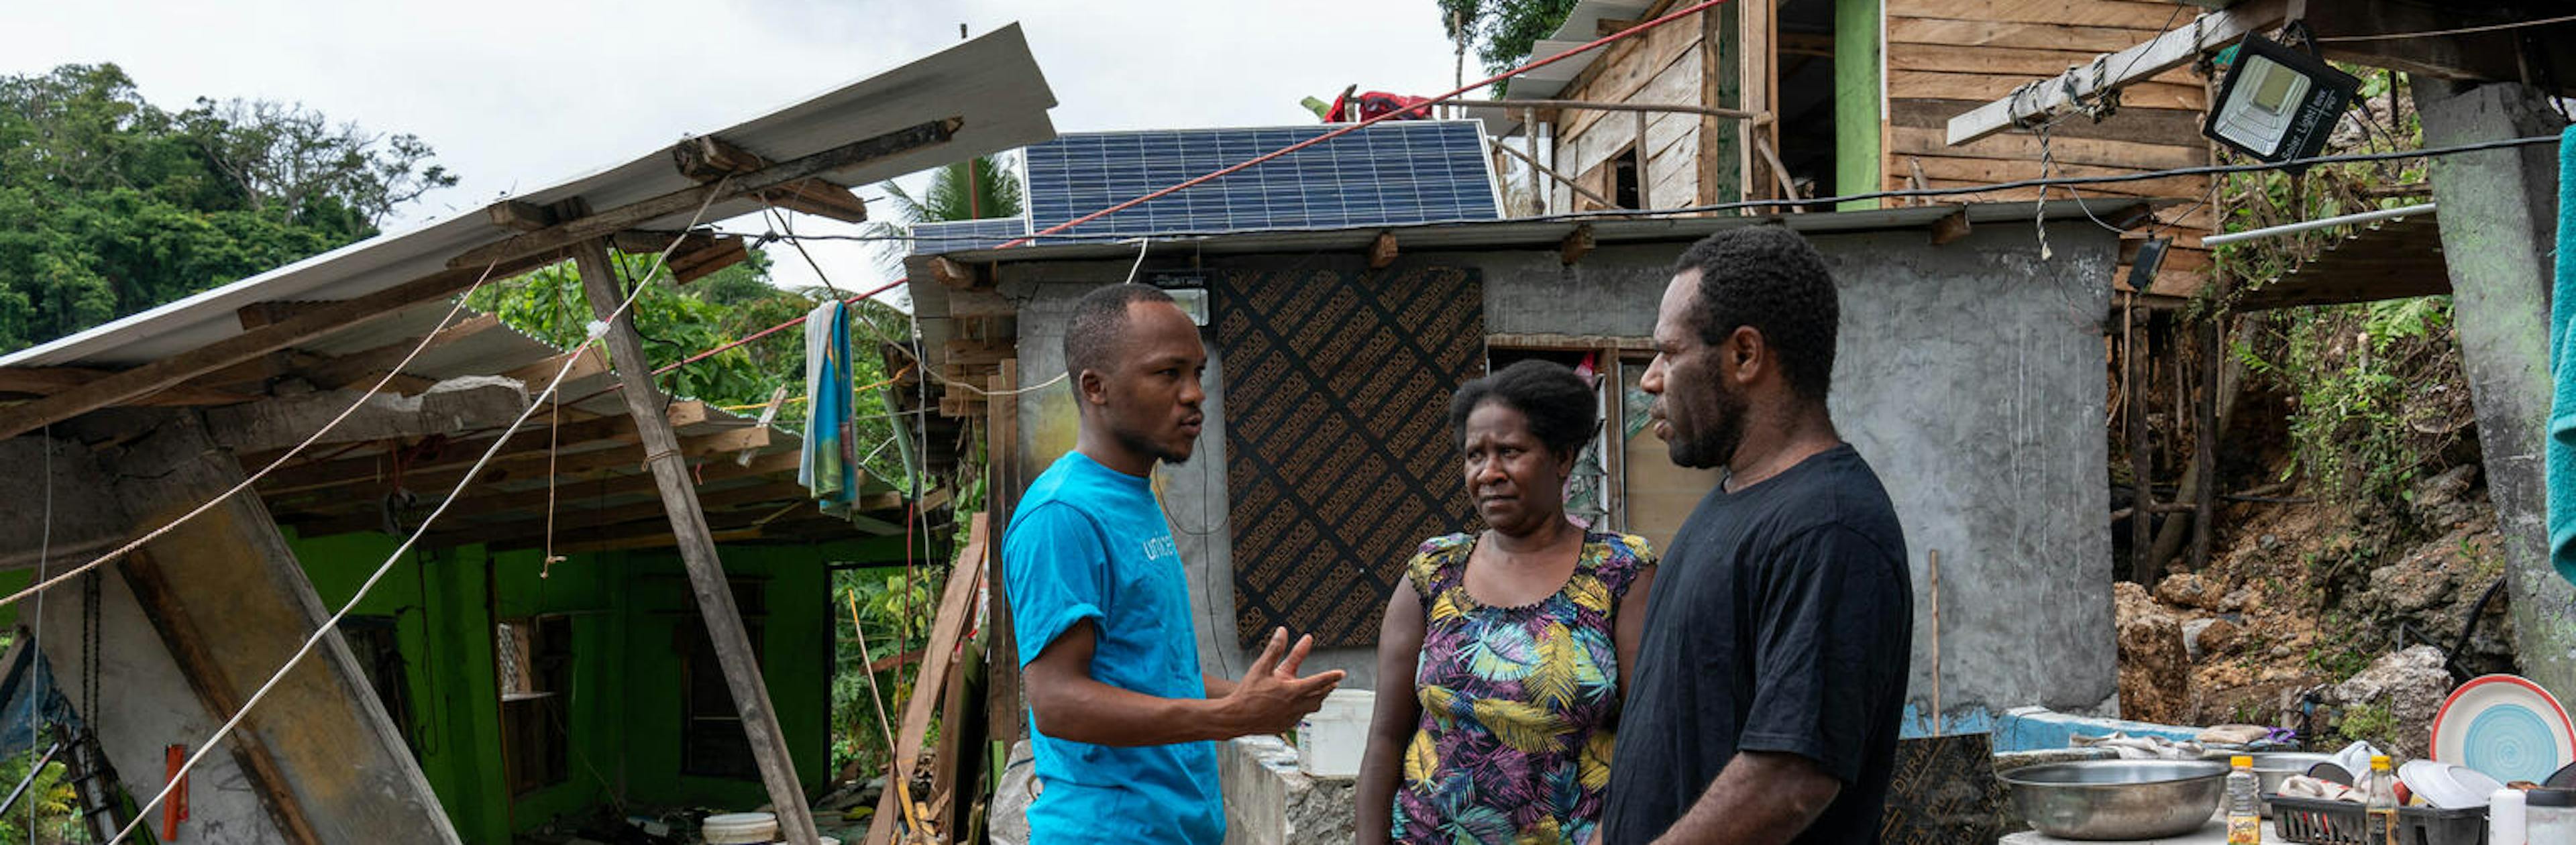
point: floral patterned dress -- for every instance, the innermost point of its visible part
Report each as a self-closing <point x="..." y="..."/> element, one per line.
<point x="1514" y="741"/>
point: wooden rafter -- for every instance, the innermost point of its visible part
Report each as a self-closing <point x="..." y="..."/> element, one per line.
<point x="567" y="234"/>
<point x="130" y="385"/>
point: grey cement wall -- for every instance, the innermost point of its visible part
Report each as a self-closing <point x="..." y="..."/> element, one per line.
<point x="1970" y="375"/>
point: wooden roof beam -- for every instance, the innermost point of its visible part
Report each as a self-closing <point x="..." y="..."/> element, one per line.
<point x="707" y="158"/>
<point x="458" y="455"/>
<point x="126" y="386"/>
<point x="47" y="381"/>
<point x="2173" y="49"/>
<point x="564" y="235"/>
<point x="484" y="501"/>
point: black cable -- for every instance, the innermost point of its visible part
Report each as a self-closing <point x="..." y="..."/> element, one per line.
<point x="2199" y="170"/>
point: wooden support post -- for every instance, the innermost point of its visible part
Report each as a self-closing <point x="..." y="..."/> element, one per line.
<point x="2177" y="47"/>
<point x="945" y="628"/>
<point x="1645" y="183"/>
<point x="2141" y="470"/>
<point x="1529" y="139"/>
<point x="1569" y="181"/>
<point x="195" y="656"/>
<point x="697" y="549"/>
<point x="2204" y="453"/>
<point x="1002" y="649"/>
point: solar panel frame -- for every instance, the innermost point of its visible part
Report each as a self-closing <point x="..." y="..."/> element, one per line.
<point x="1390" y="173"/>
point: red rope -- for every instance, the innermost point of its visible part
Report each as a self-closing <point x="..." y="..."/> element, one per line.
<point x="1595" y="44"/>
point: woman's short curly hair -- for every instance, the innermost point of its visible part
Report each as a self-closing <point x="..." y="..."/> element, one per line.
<point x="1557" y="403"/>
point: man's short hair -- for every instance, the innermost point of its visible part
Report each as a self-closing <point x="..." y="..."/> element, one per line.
<point x="1097" y="331"/>
<point x="1771" y="279"/>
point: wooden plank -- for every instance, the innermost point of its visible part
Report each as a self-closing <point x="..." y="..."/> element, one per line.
<point x="2163" y="127"/>
<point x="1576" y="245"/>
<point x="1992" y="171"/>
<point x="462" y="453"/>
<point x="1622" y="74"/>
<point x="1979" y="86"/>
<point x="1758" y="74"/>
<point x="372" y="364"/>
<point x="129" y="385"/>
<point x="2121" y="13"/>
<point x="1995" y="33"/>
<point x="568" y="234"/>
<point x="579" y="513"/>
<point x="946" y="628"/>
<point x="1908" y="140"/>
<point x="697" y="264"/>
<point x="1381" y="251"/>
<point x="46" y="381"/>
<point x="536" y="376"/>
<point x="707" y="158"/>
<point x="190" y="649"/>
<point x="2173" y="49"/>
<point x="518" y="214"/>
<point x="697" y="547"/>
<point x="1001" y="642"/>
<point x="480" y="501"/>
<point x="2012" y="61"/>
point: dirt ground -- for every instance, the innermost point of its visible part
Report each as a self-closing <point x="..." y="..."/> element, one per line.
<point x="2303" y="596"/>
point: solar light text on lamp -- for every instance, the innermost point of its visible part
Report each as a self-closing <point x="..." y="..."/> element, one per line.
<point x="2279" y="103"/>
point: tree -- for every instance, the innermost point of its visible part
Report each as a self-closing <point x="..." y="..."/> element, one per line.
<point x="1502" y="31"/>
<point x="109" y="205"/>
<point x="979" y="188"/>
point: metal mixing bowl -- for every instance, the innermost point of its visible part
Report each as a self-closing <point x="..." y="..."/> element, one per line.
<point x="2118" y="799"/>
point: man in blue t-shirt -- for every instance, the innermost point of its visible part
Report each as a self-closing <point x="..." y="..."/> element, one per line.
<point x="1124" y="723"/>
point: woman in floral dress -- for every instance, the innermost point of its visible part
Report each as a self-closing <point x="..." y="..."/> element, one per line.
<point x="1500" y="660"/>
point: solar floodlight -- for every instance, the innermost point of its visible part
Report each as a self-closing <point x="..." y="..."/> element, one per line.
<point x="2278" y="103"/>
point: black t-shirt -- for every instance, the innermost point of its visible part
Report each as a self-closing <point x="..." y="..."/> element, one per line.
<point x="1782" y="622"/>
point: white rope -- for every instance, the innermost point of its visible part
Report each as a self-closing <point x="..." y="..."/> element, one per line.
<point x="598" y="330"/>
<point x="281" y="460"/>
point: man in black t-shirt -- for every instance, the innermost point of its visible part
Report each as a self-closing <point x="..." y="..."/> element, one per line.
<point x="1772" y="674"/>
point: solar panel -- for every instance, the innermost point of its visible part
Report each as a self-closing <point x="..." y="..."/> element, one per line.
<point x="955" y="236"/>
<point x="1391" y="173"/>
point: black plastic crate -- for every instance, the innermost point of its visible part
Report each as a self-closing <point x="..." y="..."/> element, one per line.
<point x="2313" y="821"/>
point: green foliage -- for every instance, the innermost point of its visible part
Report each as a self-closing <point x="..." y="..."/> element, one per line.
<point x="2362" y="422"/>
<point x="896" y="613"/>
<point x="1502" y="31"/>
<point x="678" y="322"/>
<point x="110" y="205"/>
<point x="976" y="189"/>
<point x="49" y="807"/>
<point x="2366" y="381"/>
<point x="2372" y="723"/>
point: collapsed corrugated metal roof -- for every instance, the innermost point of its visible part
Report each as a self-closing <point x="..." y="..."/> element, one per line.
<point x="992" y="83"/>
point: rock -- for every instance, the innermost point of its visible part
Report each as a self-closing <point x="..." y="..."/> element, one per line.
<point x="2411" y="684"/>
<point x="2432" y="587"/>
<point x="2188" y="590"/>
<point x="2205" y="638"/>
<point x="2155" y="662"/>
<point x="2442" y="501"/>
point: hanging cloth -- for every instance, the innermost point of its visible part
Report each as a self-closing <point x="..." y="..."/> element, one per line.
<point x="2559" y="451"/>
<point x="825" y="465"/>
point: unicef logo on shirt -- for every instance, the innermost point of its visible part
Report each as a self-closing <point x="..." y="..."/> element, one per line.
<point x="1161" y="547"/>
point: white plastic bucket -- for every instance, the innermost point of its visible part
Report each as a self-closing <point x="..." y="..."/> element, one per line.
<point x="740" y="829"/>
<point x="1331" y="739"/>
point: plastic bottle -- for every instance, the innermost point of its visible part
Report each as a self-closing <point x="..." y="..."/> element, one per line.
<point x="2506" y="819"/>
<point x="2379" y="826"/>
<point x="2244" y="803"/>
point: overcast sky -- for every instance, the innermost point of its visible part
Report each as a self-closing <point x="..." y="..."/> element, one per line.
<point x="516" y="95"/>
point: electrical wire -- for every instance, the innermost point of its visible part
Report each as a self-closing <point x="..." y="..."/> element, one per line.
<point x="390" y="373"/>
<point x="2386" y="36"/>
<point x="1423" y="107"/>
<point x="599" y="330"/>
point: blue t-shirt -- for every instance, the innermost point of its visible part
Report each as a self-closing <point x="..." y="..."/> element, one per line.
<point x="1089" y="543"/>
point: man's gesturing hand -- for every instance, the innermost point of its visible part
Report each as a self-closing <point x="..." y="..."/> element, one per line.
<point x="1271" y="698"/>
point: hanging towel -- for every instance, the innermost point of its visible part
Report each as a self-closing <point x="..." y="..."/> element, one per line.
<point x="824" y="462"/>
<point x="2560" y="450"/>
